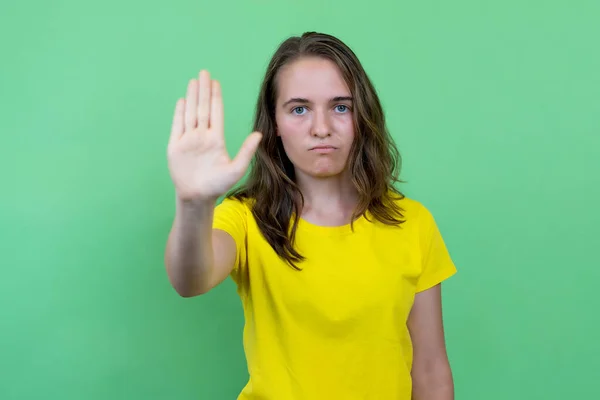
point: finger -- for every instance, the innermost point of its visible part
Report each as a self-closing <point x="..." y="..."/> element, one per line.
<point x="191" y="105"/>
<point x="216" y="109"/>
<point x="246" y="152"/>
<point x="204" y="99"/>
<point x="177" y="126"/>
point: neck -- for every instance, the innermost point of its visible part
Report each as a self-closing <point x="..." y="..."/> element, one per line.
<point x="330" y="194"/>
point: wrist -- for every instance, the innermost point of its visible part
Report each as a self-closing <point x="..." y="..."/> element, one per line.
<point x="195" y="206"/>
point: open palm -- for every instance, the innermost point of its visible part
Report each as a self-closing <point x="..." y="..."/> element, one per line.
<point x="199" y="164"/>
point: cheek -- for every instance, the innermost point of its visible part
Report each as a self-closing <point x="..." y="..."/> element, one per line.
<point x="345" y="126"/>
<point x="293" y="146"/>
<point x="292" y="134"/>
<point x="288" y="125"/>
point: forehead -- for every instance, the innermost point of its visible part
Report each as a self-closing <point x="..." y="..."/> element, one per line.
<point x="316" y="79"/>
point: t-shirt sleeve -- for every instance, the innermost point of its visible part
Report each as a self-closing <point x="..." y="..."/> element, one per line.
<point x="230" y="216"/>
<point x="437" y="265"/>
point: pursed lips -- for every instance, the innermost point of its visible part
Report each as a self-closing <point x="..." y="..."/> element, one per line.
<point x="322" y="147"/>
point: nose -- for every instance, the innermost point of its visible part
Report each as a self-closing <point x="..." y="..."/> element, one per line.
<point x="320" y="127"/>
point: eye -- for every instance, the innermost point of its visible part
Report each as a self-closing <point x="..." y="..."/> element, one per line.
<point x="296" y="109"/>
<point x="342" y="108"/>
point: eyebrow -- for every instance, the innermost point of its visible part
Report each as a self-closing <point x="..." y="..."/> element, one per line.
<point x="306" y="101"/>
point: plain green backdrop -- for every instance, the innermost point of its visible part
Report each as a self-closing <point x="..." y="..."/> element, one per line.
<point x="494" y="106"/>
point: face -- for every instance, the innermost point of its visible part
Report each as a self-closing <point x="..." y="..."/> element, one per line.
<point x="314" y="117"/>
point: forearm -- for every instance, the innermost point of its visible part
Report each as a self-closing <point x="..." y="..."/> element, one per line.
<point x="436" y="384"/>
<point x="189" y="254"/>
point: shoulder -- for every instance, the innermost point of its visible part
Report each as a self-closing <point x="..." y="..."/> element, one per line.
<point x="413" y="210"/>
<point x="232" y="214"/>
<point x="234" y="205"/>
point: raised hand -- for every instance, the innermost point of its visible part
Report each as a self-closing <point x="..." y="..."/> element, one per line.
<point x="199" y="164"/>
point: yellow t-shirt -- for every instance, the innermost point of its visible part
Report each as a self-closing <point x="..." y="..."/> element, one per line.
<point x="337" y="329"/>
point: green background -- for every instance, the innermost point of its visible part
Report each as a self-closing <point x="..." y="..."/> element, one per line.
<point x="494" y="105"/>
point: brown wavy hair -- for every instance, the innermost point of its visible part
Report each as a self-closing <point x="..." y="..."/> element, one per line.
<point x="374" y="160"/>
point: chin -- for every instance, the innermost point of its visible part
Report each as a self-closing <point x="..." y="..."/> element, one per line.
<point x="323" y="174"/>
<point x="326" y="172"/>
<point x="323" y="168"/>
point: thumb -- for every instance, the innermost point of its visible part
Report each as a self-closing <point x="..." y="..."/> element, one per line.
<point x="246" y="152"/>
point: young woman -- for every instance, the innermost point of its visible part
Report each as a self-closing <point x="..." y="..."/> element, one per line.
<point x="338" y="272"/>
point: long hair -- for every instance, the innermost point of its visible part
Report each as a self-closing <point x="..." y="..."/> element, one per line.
<point x="374" y="161"/>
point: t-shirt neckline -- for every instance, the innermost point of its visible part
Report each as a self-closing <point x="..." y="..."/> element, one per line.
<point x="346" y="229"/>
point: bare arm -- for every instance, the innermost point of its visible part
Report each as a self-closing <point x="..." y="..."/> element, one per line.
<point x="431" y="373"/>
<point x="197" y="257"/>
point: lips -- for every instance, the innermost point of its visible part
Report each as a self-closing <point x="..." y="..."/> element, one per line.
<point x="323" y="149"/>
